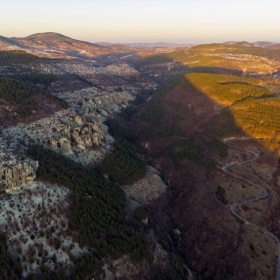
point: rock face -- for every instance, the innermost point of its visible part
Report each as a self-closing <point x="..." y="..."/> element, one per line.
<point x="147" y="189"/>
<point x="53" y="144"/>
<point x="82" y="138"/>
<point x="65" y="145"/>
<point x="80" y="134"/>
<point x="16" y="174"/>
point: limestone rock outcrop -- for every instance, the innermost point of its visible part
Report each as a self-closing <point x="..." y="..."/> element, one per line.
<point x="77" y="133"/>
<point x="16" y="174"/>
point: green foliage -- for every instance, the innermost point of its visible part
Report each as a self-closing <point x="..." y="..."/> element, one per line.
<point x="98" y="215"/>
<point x="221" y="147"/>
<point x="155" y="112"/>
<point x="8" y="57"/>
<point x="210" y="165"/>
<point x="214" y="58"/>
<point x="154" y="59"/>
<point x="220" y="193"/>
<point x="259" y="118"/>
<point x="167" y="131"/>
<point x="178" y="265"/>
<point x="15" y="92"/>
<point x="84" y="80"/>
<point x="88" y="264"/>
<point x="138" y="99"/>
<point x="223" y="125"/>
<point x="36" y="78"/>
<point x="126" y="113"/>
<point x="123" y="165"/>
<point x="230" y="49"/>
<point x="140" y="214"/>
<point x="10" y="268"/>
<point x="184" y="149"/>
<point x="227" y="89"/>
<point x="118" y="131"/>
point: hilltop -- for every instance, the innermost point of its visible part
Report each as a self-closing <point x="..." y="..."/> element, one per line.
<point x="261" y="44"/>
<point x="55" y="45"/>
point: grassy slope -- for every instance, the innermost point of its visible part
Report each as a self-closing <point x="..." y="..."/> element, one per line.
<point x="227" y="89"/>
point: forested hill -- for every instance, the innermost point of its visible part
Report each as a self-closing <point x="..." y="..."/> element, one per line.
<point x="17" y="56"/>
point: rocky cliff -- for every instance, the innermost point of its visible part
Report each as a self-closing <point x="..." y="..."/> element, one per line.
<point x="16" y="174"/>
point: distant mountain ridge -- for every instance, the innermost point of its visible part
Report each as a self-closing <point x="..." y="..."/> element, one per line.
<point x="50" y="38"/>
<point x="147" y="45"/>
<point x="56" y="45"/>
<point x="261" y="44"/>
<point x="53" y="44"/>
<point x="157" y="45"/>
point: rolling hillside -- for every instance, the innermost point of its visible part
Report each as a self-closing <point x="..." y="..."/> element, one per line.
<point x="50" y="44"/>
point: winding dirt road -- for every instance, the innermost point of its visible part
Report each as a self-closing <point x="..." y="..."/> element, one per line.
<point x="264" y="195"/>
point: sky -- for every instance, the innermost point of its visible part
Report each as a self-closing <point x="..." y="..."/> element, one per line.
<point x="127" y="21"/>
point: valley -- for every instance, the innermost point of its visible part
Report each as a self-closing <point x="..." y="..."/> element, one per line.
<point x="122" y="162"/>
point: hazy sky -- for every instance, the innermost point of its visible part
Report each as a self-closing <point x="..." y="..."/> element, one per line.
<point x="179" y="21"/>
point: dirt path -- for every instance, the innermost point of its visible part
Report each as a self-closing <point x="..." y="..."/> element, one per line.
<point x="264" y="195"/>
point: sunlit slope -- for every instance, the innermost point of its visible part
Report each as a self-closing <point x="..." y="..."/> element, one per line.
<point x="227" y="89"/>
<point x="231" y="105"/>
<point x="234" y="49"/>
<point x="251" y="107"/>
<point x="260" y="119"/>
<point x="211" y="58"/>
<point x="192" y="99"/>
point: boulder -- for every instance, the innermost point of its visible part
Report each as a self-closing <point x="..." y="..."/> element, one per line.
<point x="66" y="131"/>
<point x="96" y="139"/>
<point x="65" y="145"/>
<point x="19" y="166"/>
<point x="87" y="140"/>
<point x="98" y="127"/>
<point x="53" y="144"/>
<point x="16" y="173"/>
<point x="30" y="179"/>
<point x="78" y="120"/>
<point x="78" y="140"/>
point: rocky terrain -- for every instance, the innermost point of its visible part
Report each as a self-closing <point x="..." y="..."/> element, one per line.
<point x="34" y="213"/>
<point x="182" y="204"/>
<point x="35" y="222"/>
<point x="146" y="190"/>
<point x="95" y="93"/>
<point x="16" y="173"/>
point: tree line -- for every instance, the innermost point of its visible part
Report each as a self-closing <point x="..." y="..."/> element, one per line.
<point x="98" y="219"/>
<point x="123" y="165"/>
